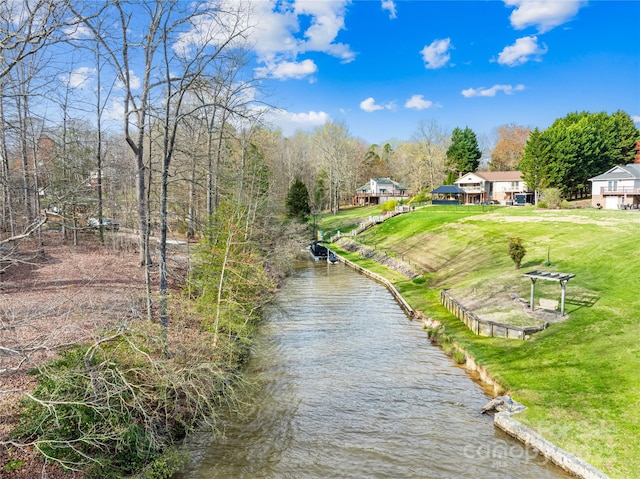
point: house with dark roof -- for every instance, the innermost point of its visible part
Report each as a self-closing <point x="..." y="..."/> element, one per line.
<point x="500" y="187"/>
<point x="378" y="191"/>
<point x="617" y="188"/>
<point x="447" y="195"/>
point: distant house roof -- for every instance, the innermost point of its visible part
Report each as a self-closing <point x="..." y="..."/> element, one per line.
<point x="627" y="172"/>
<point x="512" y="175"/>
<point x="448" y="190"/>
<point x="490" y="177"/>
<point x="380" y="181"/>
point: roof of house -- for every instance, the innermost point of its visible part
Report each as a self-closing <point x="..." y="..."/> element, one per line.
<point x="627" y="172"/>
<point x="367" y="186"/>
<point x="513" y="175"/>
<point x="490" y="176"/>
<point x="448" y="189"/>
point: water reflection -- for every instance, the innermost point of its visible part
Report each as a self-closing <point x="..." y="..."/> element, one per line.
<point x="350" y="388"/>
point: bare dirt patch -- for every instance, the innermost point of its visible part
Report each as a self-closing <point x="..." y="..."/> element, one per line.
<point x="50" y="301"/>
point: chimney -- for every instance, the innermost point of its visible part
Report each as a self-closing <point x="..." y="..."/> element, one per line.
<point x="637" y="158"/>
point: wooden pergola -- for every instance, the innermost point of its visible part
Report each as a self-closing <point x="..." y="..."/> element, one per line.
<point x="561" y="278"/>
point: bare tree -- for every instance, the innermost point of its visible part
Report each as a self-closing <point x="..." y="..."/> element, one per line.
<point x="28" y="26"/>
<point x="428" y="156"/>
<point x="509" y="148"/>
<point x="183" y="70"/>
<point x="336" y="156"/>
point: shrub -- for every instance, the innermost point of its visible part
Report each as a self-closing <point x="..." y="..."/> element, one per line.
<point x="516" y="251"/>
<point x="552" y="197"/>
<point x="117" y="407"/>
<point x="421" y="197"/>
<point x="389" y="205"/>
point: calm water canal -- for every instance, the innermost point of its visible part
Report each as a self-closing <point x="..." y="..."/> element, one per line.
<point x="351" y="388"/>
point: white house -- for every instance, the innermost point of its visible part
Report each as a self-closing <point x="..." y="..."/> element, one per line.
<point x="378" y="191"/>
<point x="618" y="188"/>
<point x="503" y="187"/>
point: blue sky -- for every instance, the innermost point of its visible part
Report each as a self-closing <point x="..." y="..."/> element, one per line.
<point x="381" y="67"/>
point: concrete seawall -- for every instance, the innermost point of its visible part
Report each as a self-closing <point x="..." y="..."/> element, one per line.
<point x="502" y="420"/>
<point x="558" y="456"/>
<point x="403" y="303"/>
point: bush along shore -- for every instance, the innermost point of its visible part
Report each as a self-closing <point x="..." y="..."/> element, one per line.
<point x="122" y="405"/>
<point x="579" y="376"/>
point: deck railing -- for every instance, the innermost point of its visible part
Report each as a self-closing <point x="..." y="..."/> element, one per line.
<point x="620" y="190"/>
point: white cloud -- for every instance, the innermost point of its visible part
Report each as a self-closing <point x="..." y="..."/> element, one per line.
<point x="417" y="102"/>
<point x="284" y="30"/>
<point x="115" y="110"/>
<point x="290" y="122"/>
<point x="326" y="20"/>
<point x="285" y="70"/>
<point x="436" y="54"/>
<point x="523" y="50"/>
<point x="223" y="24"/>
<point x="278" y="32"/>
<point x="79" y="78"/>
<point x="390" y="6"/>
<point x="78" y="31"/>
<point x="543" y="14"/>
<point x="490" y="92"/>
<point x="369" y="105"/>
<point x="636" y="118"/>
<point x="133" y="79"/>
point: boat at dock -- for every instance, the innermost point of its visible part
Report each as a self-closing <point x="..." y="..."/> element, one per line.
<point x="322" y="253"/>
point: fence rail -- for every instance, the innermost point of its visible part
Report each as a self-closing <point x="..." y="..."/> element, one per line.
<point x="484" y="327"/>
<point x="620" y="190"/>
<point x="372" y="220"/>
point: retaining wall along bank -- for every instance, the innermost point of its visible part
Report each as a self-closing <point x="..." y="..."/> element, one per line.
<point x="502" y="420"/>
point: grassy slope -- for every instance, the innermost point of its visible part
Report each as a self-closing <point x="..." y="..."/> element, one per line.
<point x="580" y="378"/>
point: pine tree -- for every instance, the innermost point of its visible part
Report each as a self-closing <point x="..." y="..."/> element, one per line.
<point x="463" y="156"/>
<point x="534" y="162"/>
<point x="298" y="201"/>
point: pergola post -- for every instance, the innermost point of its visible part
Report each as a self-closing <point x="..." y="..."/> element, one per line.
<point x="533" y="289"/>
<point x="561" y="278"/>
<point x="563" y="284"/>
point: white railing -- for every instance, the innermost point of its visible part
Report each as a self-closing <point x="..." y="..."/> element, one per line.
<point x="472" y="189"/>
<point x="620" y="190"/>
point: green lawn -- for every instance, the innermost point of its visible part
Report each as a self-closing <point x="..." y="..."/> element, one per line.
<point x="581" y="378"/>
<point x="347" y="219"/>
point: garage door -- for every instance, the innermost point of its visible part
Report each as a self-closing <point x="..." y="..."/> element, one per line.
<point x="611" y="203"/>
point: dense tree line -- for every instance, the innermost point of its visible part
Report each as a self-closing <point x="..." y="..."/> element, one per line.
<point x="106" y="111"/>
<point x="576" y="148"/>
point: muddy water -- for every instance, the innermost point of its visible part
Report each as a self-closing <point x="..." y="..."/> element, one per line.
<point x="351" y="388"/>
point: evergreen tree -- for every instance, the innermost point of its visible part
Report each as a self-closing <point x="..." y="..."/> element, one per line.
<point x="463" y="155"/>
<point x="535" y="161"/>
<point x="626" y="137"/>
<point x="583" y="145"/>
<point x="298" y="201"/>
<point x="516" y="251"/>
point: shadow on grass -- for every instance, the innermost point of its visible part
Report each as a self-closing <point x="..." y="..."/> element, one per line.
<point x="581" y="301"/>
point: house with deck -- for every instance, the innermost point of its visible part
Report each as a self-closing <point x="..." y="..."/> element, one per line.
<point x="497" y="187"/>
<point x="378" y="191"/>
<point x="617" y="188"/>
